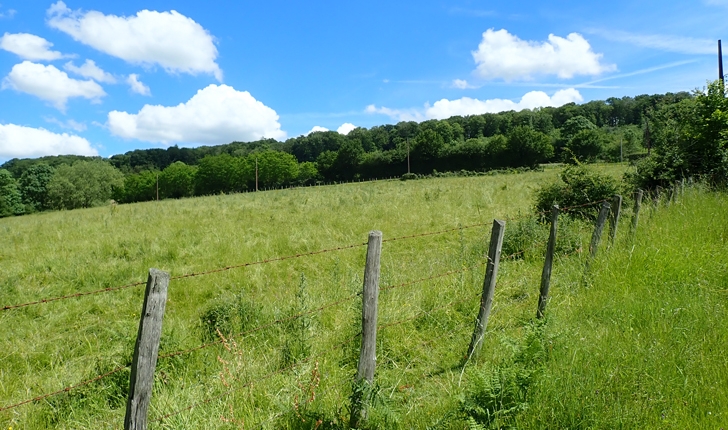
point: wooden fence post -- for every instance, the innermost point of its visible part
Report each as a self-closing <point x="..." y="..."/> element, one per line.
<point x="636" y="215"/>
<point x="658" y="194"/>
<point x="370" y="296"/>
<point x="546" y="274"/>
<point x="146" y="350"/>
<point x="599" y="228"/>
<point x="486" y="300"/>
<point x="614" y="219"/>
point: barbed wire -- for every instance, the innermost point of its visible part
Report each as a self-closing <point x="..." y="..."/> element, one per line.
<point x="262" y="327"/>
<point x="452" y="303"/>
<point x="250" y="383"/>
<point x="271" y="260"/>
<point x="64" y="390"/>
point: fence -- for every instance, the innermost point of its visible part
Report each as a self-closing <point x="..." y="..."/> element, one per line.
<point x="146" y="351"/>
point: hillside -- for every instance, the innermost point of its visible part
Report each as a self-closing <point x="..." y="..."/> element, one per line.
<point x="301" y="315"/>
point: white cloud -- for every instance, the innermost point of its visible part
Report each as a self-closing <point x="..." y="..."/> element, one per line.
<point x="89" y="69"/>
<point x="215" y="115"/>
<point x="9" y="14"/>
<point x="345" y="128"/>
<point x="138" y="86"/>
<point x="29" y="47"/>
<point x="168" y="39"/>
<point x="462" y="84"/>
<point x="662" y="42"/>
<point x="70" y="124"/>
<point x="398" y="114"/>
<point x="315" y="129"/>
<point x="445" y="108"/>
<point x="19" y="141"/>
<point x="503" y="55"/>
<point x="50" y="84"/>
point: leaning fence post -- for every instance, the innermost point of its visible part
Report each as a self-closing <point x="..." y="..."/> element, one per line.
<point x="546" y="274"/>
<point x="367" y="355"/>
<point x="614" y="219"/>
<point x="486" y="300"/>
<point x="636" y="215"/>
<point x="146" y="350"/>
<point x="598" y="229"/>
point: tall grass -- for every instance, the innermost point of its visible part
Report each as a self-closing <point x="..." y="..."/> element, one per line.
<point x="313" y="360"/>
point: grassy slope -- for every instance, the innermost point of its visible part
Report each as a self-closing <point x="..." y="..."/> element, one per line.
<point x="47" y="347"/>
<point x="644" y="344"/>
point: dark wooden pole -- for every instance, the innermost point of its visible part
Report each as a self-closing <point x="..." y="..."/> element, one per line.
<point x="486" y="300"/>
<point x="599" y="229"/>
<point x="614" y="219"/>
<point x="146" y="350"/>
<point x="546" y="274"/>
<point x="721" y="76"/>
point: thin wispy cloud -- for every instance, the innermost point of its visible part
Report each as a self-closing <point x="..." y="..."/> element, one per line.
<point x="476" y="13"/>
<point x="662" y="42"/>
<point x="639" y="72"/>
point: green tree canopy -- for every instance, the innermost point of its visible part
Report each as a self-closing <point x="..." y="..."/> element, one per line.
<point x="11" y="202"/>
<point x="34" y="186"/>
<point x="84" y="184"/>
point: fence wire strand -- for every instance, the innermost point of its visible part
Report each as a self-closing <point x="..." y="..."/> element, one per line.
<point x="271" y="260"/>
<point x="251" y="382"/>
<point x="64" y="390"/>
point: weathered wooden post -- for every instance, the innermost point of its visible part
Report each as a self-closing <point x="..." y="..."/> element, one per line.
<point x="367" y="355"/>
<point x="614" y="219"/>
<point x="146" y="350"/>
<point x="658" y="194"/>
<point x="486" y="300"/>
<point x="599" y="228"/>
<point x="636" y="215"/>
<point x="546" y="274"/>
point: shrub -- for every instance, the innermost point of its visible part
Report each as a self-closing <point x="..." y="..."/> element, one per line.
<point x="578" y="186"/>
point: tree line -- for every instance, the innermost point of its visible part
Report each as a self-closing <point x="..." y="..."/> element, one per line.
<point x="595" y="131"/>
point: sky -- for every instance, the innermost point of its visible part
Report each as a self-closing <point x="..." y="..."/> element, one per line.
<point x="103" y="78"/>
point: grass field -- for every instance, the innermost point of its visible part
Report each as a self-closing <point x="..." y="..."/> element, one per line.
<point x="642" y="334"/>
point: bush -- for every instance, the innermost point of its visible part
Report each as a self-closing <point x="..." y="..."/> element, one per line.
<point x="578" y="186"/>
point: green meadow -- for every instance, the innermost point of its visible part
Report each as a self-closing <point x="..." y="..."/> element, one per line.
<point x="638" y="342"/>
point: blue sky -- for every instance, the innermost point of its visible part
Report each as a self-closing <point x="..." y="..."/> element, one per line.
<point x="107" y="77"/>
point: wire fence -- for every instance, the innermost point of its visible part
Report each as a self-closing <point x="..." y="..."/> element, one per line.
<point x="277" y="321"/>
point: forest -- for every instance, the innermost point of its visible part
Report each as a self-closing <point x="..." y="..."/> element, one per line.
<point x="677" y="130"/>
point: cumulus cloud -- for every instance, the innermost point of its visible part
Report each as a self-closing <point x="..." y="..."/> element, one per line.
<point x="462" y="84"/>
<point x="19" y="141"/>
<point x="50" y="84"/>
<point x="505" y="56"/>
<point x="215" y="115"/>
<point x="29" y="47"/>
<point x="89" y="69"/>
<point x="138" y="86"/>
<point x="345" y="128"/>
<point x="315" y="129"/>
<point x="445" y="108"/>
<point x="168" y="39"/>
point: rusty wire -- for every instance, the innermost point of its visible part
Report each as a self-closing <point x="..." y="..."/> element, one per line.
<point x="250" y="383"/>
<point x="63" y="390"/>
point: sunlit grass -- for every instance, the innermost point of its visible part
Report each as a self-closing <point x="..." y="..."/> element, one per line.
<point x="49" y="346"/>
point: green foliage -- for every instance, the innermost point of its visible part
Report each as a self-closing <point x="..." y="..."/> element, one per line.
<point x="221" y="174"/>
<point x="586" y="146"/>
<point x="34" y="187"/>
<point x="689" y="138"/>
<point x="177" y="180"/>
<point x="578" y="186"/>
<point x="10" y="198"/>
<point x="497" y="395"/>
<point x="528" y="147"/>
<point x="83" y="185"/>
<point x="229" y="314"/>
<point x="275" y="168"/>
<point x="138" y="187"/>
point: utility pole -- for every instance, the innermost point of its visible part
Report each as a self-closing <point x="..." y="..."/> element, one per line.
<point x="721" y="77"/>
<point x="620" y="149"/>
<point x="256" y="173"/>
<point x="408" y="157"/>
